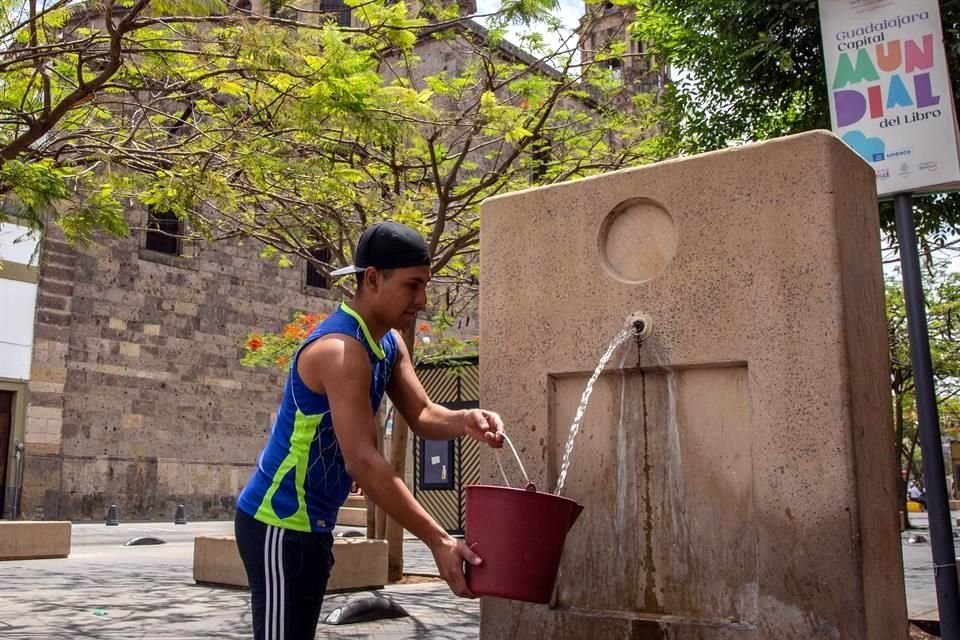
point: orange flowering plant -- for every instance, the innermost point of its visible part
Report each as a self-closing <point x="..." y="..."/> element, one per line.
<point x="275" y="349"/>
<point x="264" y="349"/>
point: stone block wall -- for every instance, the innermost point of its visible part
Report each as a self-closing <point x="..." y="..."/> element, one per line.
<point x="137" y="396"/>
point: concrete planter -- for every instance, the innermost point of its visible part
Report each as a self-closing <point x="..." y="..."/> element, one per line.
<point x="34" y="540"/>
<point x="361" y="564"/>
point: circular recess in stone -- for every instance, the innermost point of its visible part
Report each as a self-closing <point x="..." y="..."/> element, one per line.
<point x="638" y="239"/>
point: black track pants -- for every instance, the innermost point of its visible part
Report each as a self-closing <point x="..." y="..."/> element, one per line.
<point x="287" y="571"/>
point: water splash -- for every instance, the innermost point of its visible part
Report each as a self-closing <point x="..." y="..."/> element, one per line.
<point x="649" y="567"/>
<point x="619" y="339"/>
<point x="675" y="489"/>
<point x="623" y="455"/>
<point x="675" y="468"/>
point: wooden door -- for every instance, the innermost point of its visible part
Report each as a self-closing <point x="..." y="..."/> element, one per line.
<point x="6" y="429"/>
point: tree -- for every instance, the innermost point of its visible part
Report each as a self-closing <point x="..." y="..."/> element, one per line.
<point x="753" y="70"/>
<point x="942" y="291"/>
<point x="292" y="133"/>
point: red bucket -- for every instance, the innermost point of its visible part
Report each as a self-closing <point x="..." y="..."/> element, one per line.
<point x="519" y="534"/>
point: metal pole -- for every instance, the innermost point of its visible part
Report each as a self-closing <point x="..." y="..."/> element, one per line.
<point x="934" y="475"/>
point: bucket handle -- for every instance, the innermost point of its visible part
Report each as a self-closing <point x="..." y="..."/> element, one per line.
<point x="515" y="455"/>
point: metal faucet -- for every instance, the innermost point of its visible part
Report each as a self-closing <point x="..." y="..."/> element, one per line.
<point x="642" y="328"/>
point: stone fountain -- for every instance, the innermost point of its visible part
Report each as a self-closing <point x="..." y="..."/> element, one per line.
<point x="737" y="467"/>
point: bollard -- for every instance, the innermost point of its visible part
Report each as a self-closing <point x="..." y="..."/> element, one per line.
<point x="112" y="516"/>
<point x="181" y="517"/>
<point x="17" y="480"/>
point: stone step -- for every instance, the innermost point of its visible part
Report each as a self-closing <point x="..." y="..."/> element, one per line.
<point x="29" y="540"/>
<point x="352" y="517"/>
<point x="360" y="563"/>
<point x="356" y="501"/>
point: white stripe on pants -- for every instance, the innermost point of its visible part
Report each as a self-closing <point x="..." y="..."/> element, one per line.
<point x="274" y="579"/>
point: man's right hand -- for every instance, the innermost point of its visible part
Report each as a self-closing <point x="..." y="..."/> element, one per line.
<point x="450" y="554"/>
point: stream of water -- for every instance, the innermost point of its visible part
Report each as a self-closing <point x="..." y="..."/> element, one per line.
<point x="619" y="339"/>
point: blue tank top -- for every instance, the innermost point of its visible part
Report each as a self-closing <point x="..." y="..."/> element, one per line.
<point x="301" y="480"/>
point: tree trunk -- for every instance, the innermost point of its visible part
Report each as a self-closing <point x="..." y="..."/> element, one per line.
<point x="380" y="516"/>
<point x="901" y="477"/>
<point x="371" y="518"/>
<point x="380" y="524"/>
<point x="398" y="458"/>
<point x="911" y="467"/>
<point x="371" y="506"/>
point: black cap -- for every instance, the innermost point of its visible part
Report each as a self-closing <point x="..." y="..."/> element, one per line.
<point x="387" y="245"/>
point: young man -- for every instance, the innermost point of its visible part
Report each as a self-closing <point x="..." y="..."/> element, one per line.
<point x="324" y="438"/>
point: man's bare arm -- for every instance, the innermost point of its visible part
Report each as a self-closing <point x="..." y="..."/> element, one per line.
<point x="430" y="420"/>
<point x="339" y="366"/>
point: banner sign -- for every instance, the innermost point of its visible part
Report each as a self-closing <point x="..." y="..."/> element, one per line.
<point x="889" y="88"/>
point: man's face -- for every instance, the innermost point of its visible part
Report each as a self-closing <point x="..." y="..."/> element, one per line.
<point x="402" y="294"/>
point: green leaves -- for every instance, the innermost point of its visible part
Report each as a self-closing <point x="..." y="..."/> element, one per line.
<point x="752" y="69"/>
<point x="942" y="293"/>
<point x="517" y="134"/>
<point x="98" y="210"/>
<point x="35" y="185"/>
<point x="187" y="8"/>
<point x="525" y="11"/>
<point x="81" y="205"/>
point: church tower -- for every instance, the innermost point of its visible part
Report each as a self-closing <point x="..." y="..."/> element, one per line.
<point x="605" y="23"/>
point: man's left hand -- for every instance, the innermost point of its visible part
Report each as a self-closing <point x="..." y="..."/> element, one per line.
<point x="484" y="426"/>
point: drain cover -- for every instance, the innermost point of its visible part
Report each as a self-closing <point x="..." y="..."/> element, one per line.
<point x="366" y="610"/>
<point x="135" y="542"/>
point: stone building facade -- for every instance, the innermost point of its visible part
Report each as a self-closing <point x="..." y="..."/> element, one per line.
<point x="136" y="392"/>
